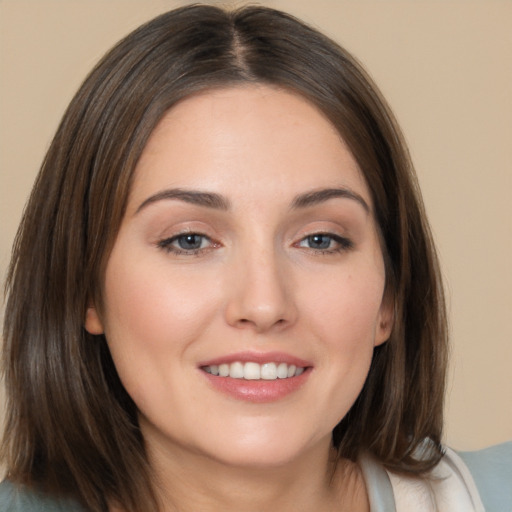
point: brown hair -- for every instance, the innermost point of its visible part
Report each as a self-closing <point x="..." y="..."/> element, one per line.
<point x="71" y="428"/>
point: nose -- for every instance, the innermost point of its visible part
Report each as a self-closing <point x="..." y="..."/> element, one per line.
<point x="261" y="294"/>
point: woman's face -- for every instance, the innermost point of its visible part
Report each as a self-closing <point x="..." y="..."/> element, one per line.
<point x="244" y="292"/>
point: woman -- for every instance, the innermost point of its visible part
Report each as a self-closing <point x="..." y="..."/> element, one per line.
<point x="224" y="293"/>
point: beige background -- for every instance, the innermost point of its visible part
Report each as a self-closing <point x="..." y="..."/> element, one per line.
<point x="445" y="67"/>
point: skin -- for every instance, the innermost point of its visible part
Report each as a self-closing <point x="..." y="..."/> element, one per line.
<point x="256" y="283"/>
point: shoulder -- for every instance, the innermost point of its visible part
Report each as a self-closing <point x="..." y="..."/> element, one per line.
<point x="14" y="498"/>
<point x="491" y="470"/>
<point x="462" y="482"/>
<point x="467" y="481"/>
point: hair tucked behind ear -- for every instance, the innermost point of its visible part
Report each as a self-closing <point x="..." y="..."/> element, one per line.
<point x="71" y="429"/>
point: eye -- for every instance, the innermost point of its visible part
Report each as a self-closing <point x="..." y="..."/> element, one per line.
<point x="186" y="243"/>
<point x="325" y="242"/>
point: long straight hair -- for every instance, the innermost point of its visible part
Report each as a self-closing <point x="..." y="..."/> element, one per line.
<point x="71" y="429"/>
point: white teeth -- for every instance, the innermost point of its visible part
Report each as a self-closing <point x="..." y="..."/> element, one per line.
<point x="223" y="370"/>
<point x="269" y="371"/>
<point x="236" y="370"/>
<point x="282" y="371"/>
<point x="252" y="371"/>
<point x="255" y="371"/>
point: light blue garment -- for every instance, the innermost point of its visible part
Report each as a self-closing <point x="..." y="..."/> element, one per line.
<point x="491" y="470"/>
<point x="16" y="499"/>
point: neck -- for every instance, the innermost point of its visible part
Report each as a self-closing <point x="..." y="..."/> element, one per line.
<point x="316" y="481"/>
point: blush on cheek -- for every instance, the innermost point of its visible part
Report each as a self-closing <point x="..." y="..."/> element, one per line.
<point x="339" y="309"/>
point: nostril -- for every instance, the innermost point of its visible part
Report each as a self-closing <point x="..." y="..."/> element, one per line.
<point x="260" y="324"/>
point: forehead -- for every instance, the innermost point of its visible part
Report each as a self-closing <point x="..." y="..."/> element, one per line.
<point x="246" y="139"/>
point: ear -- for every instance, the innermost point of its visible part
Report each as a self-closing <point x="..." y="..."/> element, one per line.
<point x="385" y="320"/>
<point x="93" y="323"/>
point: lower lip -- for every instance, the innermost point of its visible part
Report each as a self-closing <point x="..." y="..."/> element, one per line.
<point x="257" y="391"/>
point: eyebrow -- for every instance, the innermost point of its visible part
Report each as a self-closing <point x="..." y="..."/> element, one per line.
<point x="219" y="202"/>
<point x="319" y="196"/>
<point x="207" y="199"/>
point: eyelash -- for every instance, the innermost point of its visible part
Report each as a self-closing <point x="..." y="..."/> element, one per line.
<point x="342" y="244"/>
<point x="167" y="244"/>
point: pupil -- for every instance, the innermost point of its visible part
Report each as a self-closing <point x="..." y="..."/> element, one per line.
<point x="319" y="241"/>
<point x="189" y="242"/>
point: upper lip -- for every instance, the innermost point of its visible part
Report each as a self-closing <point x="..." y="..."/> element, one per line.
<point x="257" y="357"/>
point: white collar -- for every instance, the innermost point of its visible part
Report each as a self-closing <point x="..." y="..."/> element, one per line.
<point x="449" y="488"/>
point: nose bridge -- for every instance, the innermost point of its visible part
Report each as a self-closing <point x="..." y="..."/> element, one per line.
<point x="261" y="295"/>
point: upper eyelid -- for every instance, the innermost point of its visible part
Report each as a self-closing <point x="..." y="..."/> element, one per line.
<point x="316" y="230"/>
<point x="305" y="234"/>
<point x="335" y="236"/>
<point x="343" y="242"/>
<point x="169" y="234"/>
<point x="172" y="238"/>
<point x="167" y="244"/>
<point x="223" y="232"/>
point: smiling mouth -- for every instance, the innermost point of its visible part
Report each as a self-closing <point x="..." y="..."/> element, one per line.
<point x="254" y="371"/>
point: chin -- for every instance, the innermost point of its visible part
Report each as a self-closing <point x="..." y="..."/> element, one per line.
<point x="265" y="449"/>
<point x="258" y="459"/>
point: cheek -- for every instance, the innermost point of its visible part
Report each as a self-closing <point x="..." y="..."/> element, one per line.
<point x="348" y="327"/>
<point x="347" y="308"/>
<point x="144" y="297"/>
<point x="152" y="316"/>
<point x="345" y="315"/>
